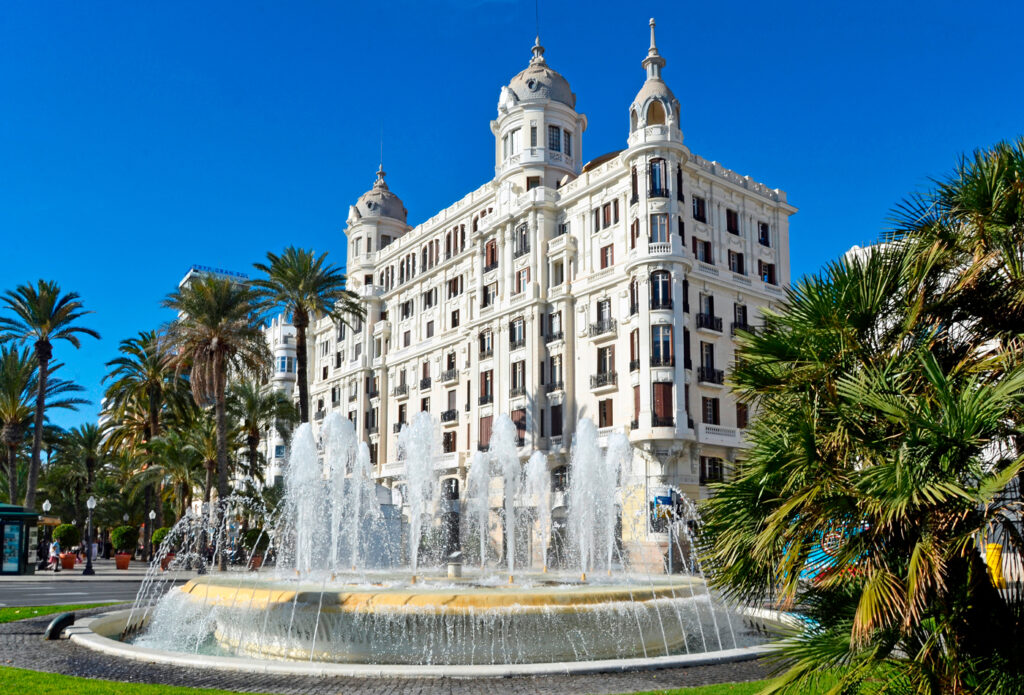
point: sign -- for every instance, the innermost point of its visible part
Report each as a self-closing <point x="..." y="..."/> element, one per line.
<point x="11" y="547"/>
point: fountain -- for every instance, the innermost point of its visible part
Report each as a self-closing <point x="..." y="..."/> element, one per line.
<point x="338" y="587"/>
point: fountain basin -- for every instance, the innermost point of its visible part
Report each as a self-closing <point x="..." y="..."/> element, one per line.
<point x="436" y="620"/>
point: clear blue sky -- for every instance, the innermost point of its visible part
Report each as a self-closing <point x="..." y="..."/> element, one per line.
<point x="139" y="138"/>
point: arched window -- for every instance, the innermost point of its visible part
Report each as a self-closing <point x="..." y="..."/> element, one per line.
<point x="632" y="120"/>
<point x="448" y="245"/>
<point x="655" y="113"/>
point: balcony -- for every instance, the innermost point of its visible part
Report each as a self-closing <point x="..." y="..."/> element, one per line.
<point x="517" y="391"/>
<point x="553" y="336"/>
<point x="710" y="375"/>
<point x="319" y="415"/>
<point x="450" y="415"/>
<point x="373" y="393"/>
<point x="484" y="354"/>
<point x="486" y="399"/>
<point x="741" y="326"/>
<point x="634" y="199"/>
<point x="425" y="383"/>
<point x="662" y="421"/>
<point x="516" y="344"/>
<point x="490" y="266"/>
<point x="603" y="379"/>
<point x="634" y="424"/>
<point x="661" y="304"/>
<point x="658" y="193"/>
<point x="400" y="391"/>
<point x="449" y="375"/>
<point x="372" y="429"/>
<point x="709" y="322"/>
<point x="397" y="427"/>
<point x="717" y="434"/>
<point x="634" y="365"/>
<point x="634" y="308"/>
<point x="662" y="248"/>
<point x="555" y="386"/>
<point x="602" y="327"/>
<point x="663" y="360"/>
<point x="520" y="252"/>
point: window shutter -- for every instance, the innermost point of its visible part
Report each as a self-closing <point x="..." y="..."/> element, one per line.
<point x="636" y="402"/>
<point x="485" y="430"/>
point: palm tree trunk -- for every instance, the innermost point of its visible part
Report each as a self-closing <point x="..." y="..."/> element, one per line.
<point x="154" y="432"/>
<point x="254" y="452"/>
<point x="300" y="321"/>
<point x="12" y="473"/>
<point x="222" y="450"/>
<point x="43" y="353"/>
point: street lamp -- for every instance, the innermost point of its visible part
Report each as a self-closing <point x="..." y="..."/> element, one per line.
<point x="91" y="504"/>
<point x="152" y="515"/>
<point x="46" y="507"/>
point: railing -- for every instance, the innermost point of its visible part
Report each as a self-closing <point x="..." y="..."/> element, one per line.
<point x="603" y="379"/>
<point x="450" y="415"/>
<point x="662" y="421"/>
<point x="709" y="321"/>
<point x="517" y="391"/>
<point x="484" y="400"/>
<point x="658" y="193"/>
<point x="490" y="266"/>
<point x="660" y="247"/>
<point x="741" y="326"/>
<point x="634" y="424"/>
<point x="319" y="415"/>
<point x="425" y="382"/>
<point x="373" y="393"/>
<point x="634" y="199"/>
<point x="555" y="386"/>
<point x="372" y="429"/>
<point x="335" y="403"/>
<point x="484" y="354"/>
<point x="554" y="335"/>
<point x="663" y="360"/>
<point x="710" y="375"/>
<point x="397" y="427"/>
<point x="519" y="253"/>
<point x="516" y="344"/>
<point x="634" y="365"/>
<point x="480" y="446"/>
<point x="601" y="327"/>
<point x="662" y="303"/>
<point x="400" y="390"/>
<point x="450" y="375"/>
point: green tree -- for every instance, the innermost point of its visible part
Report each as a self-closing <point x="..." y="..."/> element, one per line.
<point x="18" y="387"/>
<point x="177" y="462"/>
<point x="303" y="284"/>
<point x="256" y="409"/>
<point x="83" y="448"/>
<point x="41" y="316"/>
<point x="884" y="433"/>
<point x="217" y="331"/>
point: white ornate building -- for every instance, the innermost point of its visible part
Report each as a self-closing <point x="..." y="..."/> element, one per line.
<point x="561" y="290"/>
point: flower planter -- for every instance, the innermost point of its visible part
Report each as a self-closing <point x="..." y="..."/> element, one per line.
<point x="67" y="561"/>
<point x="121" y="560"/>
<point x="166" y="560"/>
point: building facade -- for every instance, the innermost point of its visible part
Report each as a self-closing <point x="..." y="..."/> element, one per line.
<point x="560" y="290"/>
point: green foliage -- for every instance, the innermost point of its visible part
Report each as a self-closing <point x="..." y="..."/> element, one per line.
<point x="159" y="535"/>
<point x="888" y="418"/>
<point x="125" y="538"/>
<point x="256" y="541"/>
<point x="68" y="536"/>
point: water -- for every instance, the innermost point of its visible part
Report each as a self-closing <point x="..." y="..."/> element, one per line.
<point x="338" y="586"/>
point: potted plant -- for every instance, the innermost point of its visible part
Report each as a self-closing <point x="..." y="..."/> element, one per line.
<point x="68" y="536"/>
<point x="256" y="541"/>
<point x="124" y="538"/>
<point x="158" y="538"/>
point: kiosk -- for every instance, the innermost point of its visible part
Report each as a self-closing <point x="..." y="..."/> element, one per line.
<point x="18" y="539"/>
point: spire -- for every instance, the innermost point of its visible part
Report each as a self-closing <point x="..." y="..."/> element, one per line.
<point x="653" y="63"/>
<point x="538" y="52"/>
<point x="379" y="183"/>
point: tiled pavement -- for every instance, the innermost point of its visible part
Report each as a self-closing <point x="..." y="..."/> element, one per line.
<point x="21" y="645"/>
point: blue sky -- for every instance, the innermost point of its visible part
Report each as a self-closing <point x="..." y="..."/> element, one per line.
<point x="139" y="138"/>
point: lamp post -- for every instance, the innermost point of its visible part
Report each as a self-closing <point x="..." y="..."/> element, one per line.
<point x="46" y="509"/>
<point x="91" y="504"/>
<point x="152" y="515"/>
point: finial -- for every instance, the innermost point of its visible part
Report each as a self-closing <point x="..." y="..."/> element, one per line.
<point x="654" y="47"/>
<point x="538" y="50"/>
<point x="380" y="173"/>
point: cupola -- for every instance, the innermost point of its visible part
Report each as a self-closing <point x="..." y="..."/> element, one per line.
<point x="655" y="104"/>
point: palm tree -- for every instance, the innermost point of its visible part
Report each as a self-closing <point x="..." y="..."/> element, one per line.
<point x="301" y="283"/>
<point x="42" y="315"/>
<point x="178" y="463"/>
<point x="84" y="447"/>
<point x="217" y="331"/>
<point x="18" y="386"/>
<point x="256" y="409"/>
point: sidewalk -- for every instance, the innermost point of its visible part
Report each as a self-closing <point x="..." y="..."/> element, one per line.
<point x="105" y="572"/>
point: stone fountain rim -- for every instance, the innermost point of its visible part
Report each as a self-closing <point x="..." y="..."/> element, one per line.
<point x="92" y="632"/>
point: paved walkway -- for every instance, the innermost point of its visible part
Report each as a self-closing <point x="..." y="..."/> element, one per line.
<point x="21" y="645"/>
<point x="104" y="569"/>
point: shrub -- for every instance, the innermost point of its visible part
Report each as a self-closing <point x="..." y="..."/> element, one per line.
<point x="68" y="536"/>
<point x="125" y="538"/>
<point x="256" y="541"/>
<point x="159" y="535"/>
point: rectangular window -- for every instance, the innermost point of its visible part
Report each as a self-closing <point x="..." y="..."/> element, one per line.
<point x="455" y="287"/>
<point x="634" y="233"/>
<point x="699" y="209"/>
<point x="736" y="263"/>
<point x="763" y="234"/>
<point x="430" y="329"/>
<point x="532" y="182"/>
<point x="767" y="272"/>
<point x="484" y="437"/>
<point x="406" y="339"/>
<point x="606" y="360"/>
<point x="425" y="404"/>
<point x="663" y="404"/>
<point x="401" y="414"/>
<point x="711" y="470"/>
<point x="487" y="384"/>
<point x="661" y="345"/>
<point x="567" y="139"/>
<point x="606" y="215"/>
<point x="455" y="319"/>
<point x="659" y="228"/>
<point x="741" y="416"/>
<point x="518" y="375"/>
<point x="707" y="355"/>
<point x="709" y="410"/>
<point x="739" y="314"/>
<point x="555" y="323"/>
<point x="448" y="442"/>
<point x="556" y="420"/>
<point x="486" y="343"/>
<point x="517" y="332"/>
<point x="732" y="221"/>
<point x="522" y="280"/>
<point x="702" y="250"/>
<point x="490" y="254"/>
<point x="604" y="310"/>
<point x="607" y="258"/>
<point x="490" y="294"/>
<point x="554" y="138"/>
<point x="533" y="136"/>
<point x="634" y="349"/>
<point x="556" y="369"/>
<point x="519" y="419"/>
<point x="604" y="413"/>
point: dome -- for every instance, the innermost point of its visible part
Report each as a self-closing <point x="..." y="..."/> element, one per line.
<point x="379" y="201"/>
<point x="537" y="82"/>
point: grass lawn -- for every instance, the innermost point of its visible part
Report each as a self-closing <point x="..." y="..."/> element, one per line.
<point x="21" y="680"/>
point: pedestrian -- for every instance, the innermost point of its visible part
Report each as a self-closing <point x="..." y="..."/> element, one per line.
<point x="55" y="555"/>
